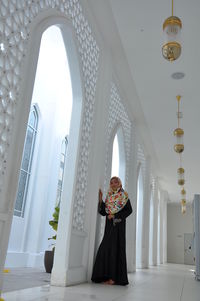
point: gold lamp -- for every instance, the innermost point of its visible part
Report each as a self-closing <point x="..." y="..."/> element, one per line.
<point x="183" y="207"/>
<point x="171" y="49"/>
<point x="183" y="193"/>
<point x="181" y="174"/>
<point x="178" y="132"/>
<point x="183" y="201"/>
<point x="179" y="148"/>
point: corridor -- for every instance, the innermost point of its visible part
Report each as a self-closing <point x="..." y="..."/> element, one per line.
<point x="168" y="282"/>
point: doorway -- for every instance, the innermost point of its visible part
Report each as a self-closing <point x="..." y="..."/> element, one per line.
<point x="40" y="174"/>
<point x="188" y="249"/>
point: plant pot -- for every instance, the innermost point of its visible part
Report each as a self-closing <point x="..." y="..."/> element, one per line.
<point x="48" y="260"/>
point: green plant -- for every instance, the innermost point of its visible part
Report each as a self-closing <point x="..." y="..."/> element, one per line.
<point x="54" y="222"/>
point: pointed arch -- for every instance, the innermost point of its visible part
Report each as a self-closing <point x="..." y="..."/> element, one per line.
<point x="32" y="59"/>
<point x="38" y="15"/>
<point x="119" y="140"/>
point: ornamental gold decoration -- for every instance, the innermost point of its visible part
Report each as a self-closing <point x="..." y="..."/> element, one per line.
<point x="183" y="209"/>
<point x="171" y="51"/>
<point x="180" y="171"/>
<point x="178" y="132"/>
<point x="183" y="202"/>
<point x="183" y="192"/>
<point x="179" y="148"/>
<point x="172" y="21"/>
<point x="181" y="182"/>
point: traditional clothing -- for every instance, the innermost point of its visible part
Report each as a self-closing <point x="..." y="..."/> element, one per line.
<point x="115" y="201"/>
<point x="110" y="261"/>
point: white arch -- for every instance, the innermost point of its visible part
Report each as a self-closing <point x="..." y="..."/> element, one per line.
<point x="117" y="130"/>
<point x="39" y="25"/>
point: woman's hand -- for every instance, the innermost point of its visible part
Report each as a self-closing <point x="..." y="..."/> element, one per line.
<point x="100" y="196"/>
<point x="110" y="216"/>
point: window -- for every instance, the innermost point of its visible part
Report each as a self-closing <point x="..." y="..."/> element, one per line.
<point x="115" y="158"/>
<point x="61" y="170"/>
<point x="25" y="171"/>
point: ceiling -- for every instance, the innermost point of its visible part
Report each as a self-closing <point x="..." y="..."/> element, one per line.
<point x="138" y="25"/>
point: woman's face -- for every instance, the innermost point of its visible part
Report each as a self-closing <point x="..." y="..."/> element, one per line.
<point x="114" y="184"/>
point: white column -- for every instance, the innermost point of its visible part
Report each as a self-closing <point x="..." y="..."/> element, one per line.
<point x="66" y="241"/>
<point x="97" y="164"/>
<point x="146" y="216"/>
<point x="11" y="175"/>
<point x="161" y="225"/>
<point x="131" y="220"/>
<point x="165" y="200"/>
<point x="155" y="222"/>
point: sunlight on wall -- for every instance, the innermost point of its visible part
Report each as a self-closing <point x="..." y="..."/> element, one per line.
<point x="115" y="158"/>
<point x="53" y="75"/>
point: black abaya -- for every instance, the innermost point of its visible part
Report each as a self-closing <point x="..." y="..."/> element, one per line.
<point x="110" y="261"/>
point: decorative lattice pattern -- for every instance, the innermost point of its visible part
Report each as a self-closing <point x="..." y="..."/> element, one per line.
<point x="16" y="17"/>
<point x="154" y="184"/>
<point x="117" y="116"/>
<point x="141" y="160"/>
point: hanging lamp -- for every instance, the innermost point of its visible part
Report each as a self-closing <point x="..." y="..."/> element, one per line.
<point x="178" y="132"/>
<point x="171" y="49"/>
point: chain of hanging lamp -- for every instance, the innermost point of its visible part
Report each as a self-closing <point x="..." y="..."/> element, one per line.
<point x="171" y="50"/>
<point x="179" y="148"/>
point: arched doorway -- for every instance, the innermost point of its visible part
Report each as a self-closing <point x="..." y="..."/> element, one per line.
<point x="52" y="98"/>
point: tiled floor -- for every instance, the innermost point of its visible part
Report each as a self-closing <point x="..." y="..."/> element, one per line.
<point x="21" y="278"/>
<point x="166" y="282"/>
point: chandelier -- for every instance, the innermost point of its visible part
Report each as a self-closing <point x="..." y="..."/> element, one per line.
<point x="171" y="49"/>
<point x="179" y="148"/>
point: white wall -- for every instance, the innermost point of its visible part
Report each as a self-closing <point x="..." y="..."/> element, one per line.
<point x="177" y="225"/>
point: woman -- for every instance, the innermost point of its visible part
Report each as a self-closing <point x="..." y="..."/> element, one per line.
<point x="110" y="264"/>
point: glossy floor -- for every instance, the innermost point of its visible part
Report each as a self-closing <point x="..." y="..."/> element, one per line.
<point x="167" y="282"/>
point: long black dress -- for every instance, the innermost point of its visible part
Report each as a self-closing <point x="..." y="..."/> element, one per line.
<point x="110" y="261"/>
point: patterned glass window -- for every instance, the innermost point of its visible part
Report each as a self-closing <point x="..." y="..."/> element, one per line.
<point x="61" y="170"/>
<point x="25" y="171"/>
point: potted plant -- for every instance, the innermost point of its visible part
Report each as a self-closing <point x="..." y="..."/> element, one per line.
<point x="49" y="255"/>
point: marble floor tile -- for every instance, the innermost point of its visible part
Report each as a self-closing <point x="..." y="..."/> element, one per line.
<point x="167" y="282"/>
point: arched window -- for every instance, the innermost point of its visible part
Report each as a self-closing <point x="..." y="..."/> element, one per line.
<point x="61" y="170"/>
<point x="115" y="158"/>
<point x="25" y="171"/>
<point x="118" y="156"/>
